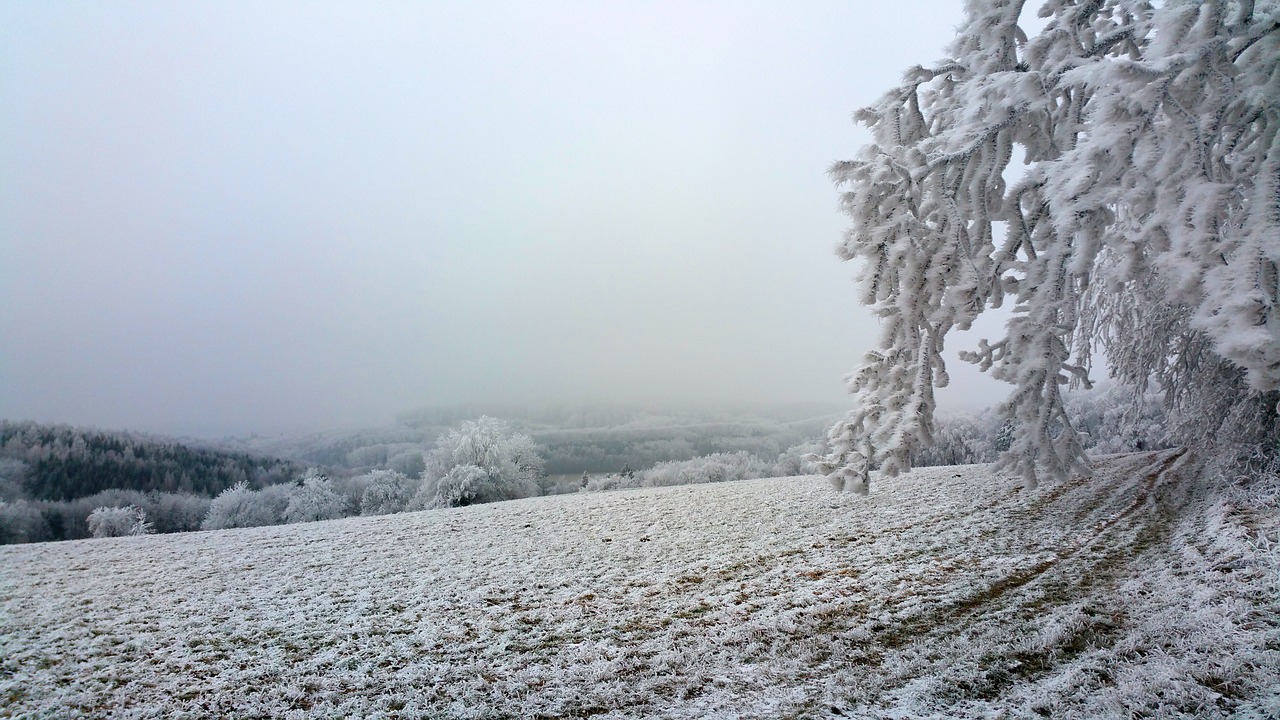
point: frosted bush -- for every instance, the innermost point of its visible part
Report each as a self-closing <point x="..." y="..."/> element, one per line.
<point x="315" y="500"/>
<point x="20" y="521"/>
<point x="386" y="492"/>
<point x="177" y="512"/>
<point x="1114" y="419"/>
<point x="107" y="522"/>
<point x="716" y="467"/>
<point x="713" y="468"/>
<point x="410" y="463"/>
<point x="1108" y="419"/>
<point x="963" y="439"/>
<point x="480" y="461"/>
<point x="797" y="460"/>
<point x="276" y="499"/>
<point x="462" y="485"/>
<point x="239" y="506"/>
<point x="611" y="481"/>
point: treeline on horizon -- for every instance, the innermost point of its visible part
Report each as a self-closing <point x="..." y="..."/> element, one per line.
<point x="43" y="467"/>
<point x="63" y="463"/>
<point x="572" y="439"/>
<point x="52" y="477"/>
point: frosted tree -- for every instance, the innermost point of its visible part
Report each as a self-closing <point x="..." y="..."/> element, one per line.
<point x="238" y="506"/>
<point x="388" y="491"/>
<point x="1145" y="222"/>
<point x="461" y="485"/>
<point x="315" y="499"/>
<point x="119" y="522"/>
<point x="480" y="461"/>
<point x="21" y="521"/>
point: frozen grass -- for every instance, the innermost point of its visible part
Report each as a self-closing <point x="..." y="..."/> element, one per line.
<point x="946" y="593"/>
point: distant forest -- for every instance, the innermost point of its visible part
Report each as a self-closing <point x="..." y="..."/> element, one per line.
<point x="53" y="478"/>
<point x="572" y="439"/>
<point x="58" y="462"/>
<point x="611" y="438"/>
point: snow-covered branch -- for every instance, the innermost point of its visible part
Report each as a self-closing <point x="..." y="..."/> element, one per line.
<point x="1146" y="223"/>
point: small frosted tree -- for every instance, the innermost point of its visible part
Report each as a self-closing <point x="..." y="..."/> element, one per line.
<point x="713" y="468"/>
<point x="21" y="521"/>
<point x="315" y="500"/>
<point x="387" y="491"/>
<point x="462" y="485"/>
<point x="480" y="461"/>
<point x="1145" y="223"/>
<point x="797" y="460"/>
<point x="107" y="522"/>
<point x="238" y="506"/>
<point x="178" y="512"/>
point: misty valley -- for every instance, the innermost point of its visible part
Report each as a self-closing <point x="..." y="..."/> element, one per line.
<point x="65" y="483"/>
<point x="53" y="478"/>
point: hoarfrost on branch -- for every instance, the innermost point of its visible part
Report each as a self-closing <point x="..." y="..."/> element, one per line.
<point x="1145" y="223"/>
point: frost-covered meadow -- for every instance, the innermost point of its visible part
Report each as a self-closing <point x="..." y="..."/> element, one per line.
<point x="945" y="593"/>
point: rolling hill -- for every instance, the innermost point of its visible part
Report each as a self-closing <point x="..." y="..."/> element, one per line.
<point x="1140" y="592"/>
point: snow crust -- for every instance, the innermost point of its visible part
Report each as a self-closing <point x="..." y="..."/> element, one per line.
<point x="1140" y="592"/>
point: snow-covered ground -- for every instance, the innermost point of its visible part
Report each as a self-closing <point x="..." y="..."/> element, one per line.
<point x="946" y="593"/>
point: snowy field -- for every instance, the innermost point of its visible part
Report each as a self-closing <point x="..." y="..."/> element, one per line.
<point x="946" y="593"/>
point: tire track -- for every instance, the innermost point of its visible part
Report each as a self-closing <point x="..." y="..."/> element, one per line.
<point x="958" y="612"/>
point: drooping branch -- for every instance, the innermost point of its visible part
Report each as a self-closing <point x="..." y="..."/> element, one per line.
<point x="1150" y="146"/>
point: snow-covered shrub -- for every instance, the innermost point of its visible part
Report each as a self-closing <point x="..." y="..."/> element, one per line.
<point x="367" y="456"/>
<point x="107" y="522"/>
<point x="962" y="439"/>
<point x="611" y="481"/>
<point x="507" y="462"/>
<point x="176" y="512"/>
<point x="351" y="488"/>
<point x="797" y="460"/>
<point x="713" y="468"/>
<point x="462" y="485"/>
<point x="1108" y="419"/>
<point x="1114" y="419"/>
<point x="239" y="506"/>
<point x="665" y="474"/>
<point x="277" y="497"/>
<point x="716" y="467"/>
<point x="315" y="500"/>
<point x="386" y="492"/>
<point x="21" y="521"/>
<point x="410" y="463"/>
<point x="69" y="519"/>
<point x="12" y="473"/>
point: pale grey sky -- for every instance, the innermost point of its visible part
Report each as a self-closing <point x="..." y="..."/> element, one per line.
<point x="233" y="217"/>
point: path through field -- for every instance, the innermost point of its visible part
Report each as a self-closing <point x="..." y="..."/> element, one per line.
<point x="946" y="593"/>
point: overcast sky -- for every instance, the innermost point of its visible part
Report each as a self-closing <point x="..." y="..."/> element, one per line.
<point x="232" y="217"/>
